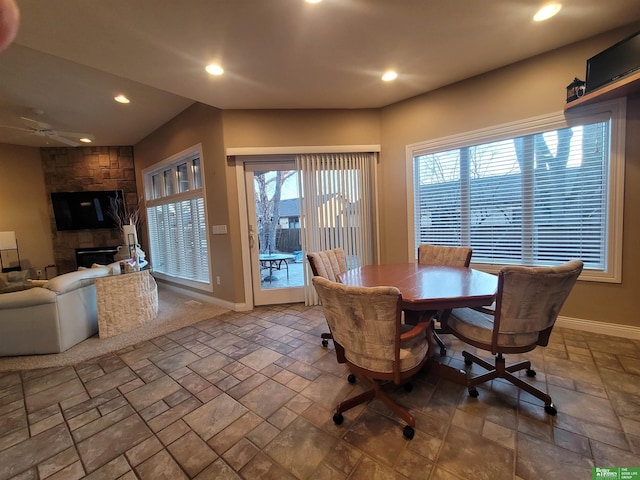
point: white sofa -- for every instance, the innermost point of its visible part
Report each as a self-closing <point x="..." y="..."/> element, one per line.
<point x="51" y="318"/>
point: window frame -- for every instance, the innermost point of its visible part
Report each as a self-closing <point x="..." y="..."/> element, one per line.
<point x="193" y="192"/>
<point x="615" y="110"/>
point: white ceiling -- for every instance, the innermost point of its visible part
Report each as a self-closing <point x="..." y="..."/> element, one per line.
<point x="71" y="57"/>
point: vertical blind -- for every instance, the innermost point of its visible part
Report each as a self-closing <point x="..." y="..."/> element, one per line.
<point x="337" y="207"/>
<point x="538" y="199"/>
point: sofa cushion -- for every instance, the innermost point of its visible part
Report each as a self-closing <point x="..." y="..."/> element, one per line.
<point x="72" y="280"/>
<point x="19" y="276"/>
<point x="27" y="298"/>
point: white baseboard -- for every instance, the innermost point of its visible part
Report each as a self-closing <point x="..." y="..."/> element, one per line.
<point x="613" y="329"/>
<point x="236" y="307"/>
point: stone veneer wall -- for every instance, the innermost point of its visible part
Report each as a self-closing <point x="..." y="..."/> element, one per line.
<point x="77" y="169"/>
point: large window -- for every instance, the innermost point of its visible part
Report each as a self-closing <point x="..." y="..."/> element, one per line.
<point x="533" y="193"/>
<point x="177" y="221"/>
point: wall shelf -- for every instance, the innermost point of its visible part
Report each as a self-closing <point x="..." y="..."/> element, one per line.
<point x="619" y="88"/>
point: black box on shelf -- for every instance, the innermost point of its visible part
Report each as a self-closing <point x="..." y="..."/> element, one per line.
<point x="615" y="62"/>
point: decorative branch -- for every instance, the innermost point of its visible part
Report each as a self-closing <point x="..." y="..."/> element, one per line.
<point x="122" y="214"/>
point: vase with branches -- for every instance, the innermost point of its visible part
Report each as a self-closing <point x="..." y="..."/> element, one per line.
<point x="127" y="220"/>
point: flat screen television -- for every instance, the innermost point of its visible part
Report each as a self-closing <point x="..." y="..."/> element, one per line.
<point x="617" y="61"/>
<point x="83" y="210"/>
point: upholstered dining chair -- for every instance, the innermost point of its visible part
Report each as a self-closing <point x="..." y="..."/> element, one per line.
<point x="328" y="264"/>
<point x="379" y="349"/>
<point x="527" y="304"/>
<point x="443" y="255"/>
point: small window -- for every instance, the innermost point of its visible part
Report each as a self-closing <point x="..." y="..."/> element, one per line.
<point x="156" y="186"/>
<point x="183" y="178"/>
<point x="168" y="182"/>
<point x="197" y="176"/>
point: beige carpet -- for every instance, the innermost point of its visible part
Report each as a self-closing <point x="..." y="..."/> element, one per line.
<point x="174" y="312"/>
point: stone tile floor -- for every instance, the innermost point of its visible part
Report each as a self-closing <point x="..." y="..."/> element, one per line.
<point x="250" y="395"/>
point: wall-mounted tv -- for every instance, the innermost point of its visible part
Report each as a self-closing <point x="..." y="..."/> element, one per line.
<point x="83" y="210"/>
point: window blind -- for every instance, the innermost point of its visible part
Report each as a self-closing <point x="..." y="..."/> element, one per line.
<point x="177" y="233"/>
<point x="336" y="194"/>
<point x="537" y="199"/>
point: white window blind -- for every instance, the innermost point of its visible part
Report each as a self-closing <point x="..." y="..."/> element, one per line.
<point x="336" y="192"/>
<point x="535" y="200"/>
<point x="539" y="198"/>
<point x="177" y="233"/>
<point x="176" y="220"/>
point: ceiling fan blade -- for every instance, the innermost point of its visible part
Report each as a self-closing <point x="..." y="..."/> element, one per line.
<point x="75" y="134"/>
<point x="17" y="128"/>
<point x="66" y="141"/>
<point x="37" y="124"/>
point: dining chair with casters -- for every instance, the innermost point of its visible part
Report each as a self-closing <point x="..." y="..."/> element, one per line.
<point x="527" y="304"/>
<point x="442" y="255"/>
<point x="328" y="264"/>
<point x="381" y="351"/>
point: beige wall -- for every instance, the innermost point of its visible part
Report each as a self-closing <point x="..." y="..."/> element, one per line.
<point x="218" y="130"/>
<point x="203" y="124"/>
<point x="527" y="89"/>
<point x="23" y="204"/>
<point x="282" y="128"/>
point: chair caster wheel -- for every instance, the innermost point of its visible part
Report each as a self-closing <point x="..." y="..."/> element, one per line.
<point x="531" y="373"/>
<point x="473" y="393"/>
<point x="338" y="418"/>
<point x="408" y="432"/>
<point x="551" y="409"/>
<point x="443" y="352"/>
<point x="325" y="343"/>
<point x="468" y="362"/>
<point x="351" y="378"/>
<point x="408" y="387"/>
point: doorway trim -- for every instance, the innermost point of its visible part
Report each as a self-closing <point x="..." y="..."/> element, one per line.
<point x="240" y="155"/>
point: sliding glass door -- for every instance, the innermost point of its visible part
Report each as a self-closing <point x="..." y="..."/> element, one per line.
<point x="273" y="208"/>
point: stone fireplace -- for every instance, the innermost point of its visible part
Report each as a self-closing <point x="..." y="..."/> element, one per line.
<point x="85" y="257"/>
<point x="69" y="169"/>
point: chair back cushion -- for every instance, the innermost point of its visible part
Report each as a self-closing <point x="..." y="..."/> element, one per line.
<point x="530" y="298"/>
<point x="366" y="322"/>
<point x="528" y="302"/>
<point x="443" y="255"/>
<point x="328" y="263"/>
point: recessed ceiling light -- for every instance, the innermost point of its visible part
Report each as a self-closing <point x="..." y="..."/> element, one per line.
<point x="313" y="1"/>
<point x="214" y="69"/>
<point x="121" y="99"/>
<point x="547" y="12"/>
<point x="390" y="75"/>
<point x="85" y="140"/>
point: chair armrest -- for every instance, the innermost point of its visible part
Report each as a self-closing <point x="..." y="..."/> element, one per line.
<point x="416" y="331"/>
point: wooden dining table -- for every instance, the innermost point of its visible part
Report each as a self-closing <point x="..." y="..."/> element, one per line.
<point x="428" y="287"/>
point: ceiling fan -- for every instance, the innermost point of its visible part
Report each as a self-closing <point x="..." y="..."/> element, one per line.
<point x="42" y="129"/>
